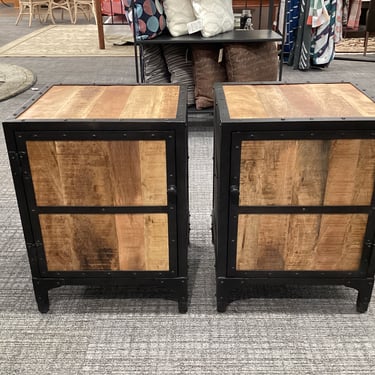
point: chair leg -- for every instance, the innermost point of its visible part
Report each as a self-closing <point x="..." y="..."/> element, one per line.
<point x="20" y="14"/>
<point x="38" y="10"/>
<point x="75" y="11"/>
<point x="64" y="6"/>
<point x="31" y="15"/>
<point x="366" y="43"/>
<point x="85" y="10"/>
<point x="89" y="11"/>
<point x="69" y="10"/>
<point x="94" y="12"/>
<point x="50" y="14"/>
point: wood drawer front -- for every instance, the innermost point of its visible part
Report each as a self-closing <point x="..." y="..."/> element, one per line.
<point x="307" y="172"/>
<point x="300" y="242"/>
<point x="99" y="173"/>
<point x="115" y="242"/>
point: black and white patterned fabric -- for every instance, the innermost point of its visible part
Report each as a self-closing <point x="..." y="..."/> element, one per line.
<point x="180" y="67"/>
<point x="155" y="67"/>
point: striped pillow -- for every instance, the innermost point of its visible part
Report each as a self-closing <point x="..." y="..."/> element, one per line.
<point x="155" y="67"/>
<point x="180" y="67"/>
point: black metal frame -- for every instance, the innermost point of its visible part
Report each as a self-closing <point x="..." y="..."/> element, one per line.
<point x="228" y="135"/>
<point x="174" y="131"/>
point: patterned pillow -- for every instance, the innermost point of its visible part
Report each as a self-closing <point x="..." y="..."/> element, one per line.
<point x="216" y="16"/>
<point x="149" y="18"/>
<point x="179" y="13"/>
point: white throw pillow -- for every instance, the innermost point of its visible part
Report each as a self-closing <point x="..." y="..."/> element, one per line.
<point x="179" y="13"/>
<point x="216" y="16"/>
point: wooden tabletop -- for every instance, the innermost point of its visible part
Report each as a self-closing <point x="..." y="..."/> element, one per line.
<point x="316" y="100"/>
<point x="105" y="102"/>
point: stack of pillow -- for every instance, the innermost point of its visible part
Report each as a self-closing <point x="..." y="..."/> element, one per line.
<point x="199" y="66"/>
<point x="216" y="16"/>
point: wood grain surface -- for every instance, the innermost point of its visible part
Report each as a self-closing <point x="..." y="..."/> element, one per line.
<point x="297" y="101"/>
<point x="300" y="242"/>
<point x="307" y="172"/>
<point x="121" y="242"/>
<point x="98" y="173"/>
<point x="105" y="102"/>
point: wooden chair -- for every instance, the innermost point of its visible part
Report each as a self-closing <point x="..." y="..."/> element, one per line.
<point x="87" y="7"/>
<point x="370" y="24"/>
<point x="64" y="5"/>
<point x="32" y="7"/>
